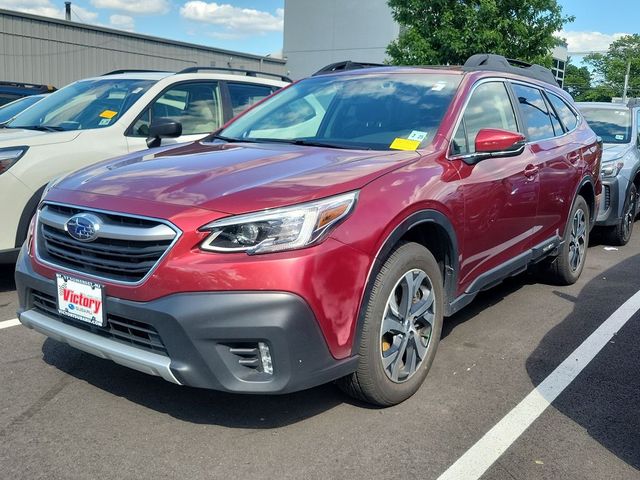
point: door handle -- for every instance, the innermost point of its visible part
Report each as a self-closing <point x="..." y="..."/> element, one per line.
<point x="573" y="157"/>
<point x="531" y="171"/>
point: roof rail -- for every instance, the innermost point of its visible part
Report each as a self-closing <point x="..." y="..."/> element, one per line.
<point x="344" y="66"/>
<point x="248" y="73"/>
<point x="498" y="63"/>
<point x="130" y="70"/>
<point x="34" y="86"/>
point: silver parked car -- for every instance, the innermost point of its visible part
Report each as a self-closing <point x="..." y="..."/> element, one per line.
<point x="617" y="125"/>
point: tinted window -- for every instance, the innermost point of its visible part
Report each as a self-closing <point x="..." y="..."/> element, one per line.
<point x="567" y="116"/>
<point x="489" y="107"/>
<point x="534" y="110"/>
<point x="351" y="111"/>
<point x="195" y="105"/>
<point x="612" y="124"/>
<point x="555" y="121"/>
<point x="244" y="95"/>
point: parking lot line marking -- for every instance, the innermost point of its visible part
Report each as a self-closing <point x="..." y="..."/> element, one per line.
<point x="477" y="460"/>
<point x="9" y="323"/>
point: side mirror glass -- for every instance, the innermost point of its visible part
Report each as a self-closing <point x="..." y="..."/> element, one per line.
<point x="163" y="128"/>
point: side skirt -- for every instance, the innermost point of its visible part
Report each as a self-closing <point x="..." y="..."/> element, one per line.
<point x="508" y="269"/>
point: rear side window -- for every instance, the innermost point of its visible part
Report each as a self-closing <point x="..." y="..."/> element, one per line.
<point x="488" y="107"/>
<point x="569" y="119"/>
<point x="535" y="112"/>
<point x="244" y="95"/>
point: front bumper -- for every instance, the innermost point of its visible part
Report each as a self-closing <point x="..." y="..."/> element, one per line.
<point x="200" y="335"/>
<point x="609" y="212"/>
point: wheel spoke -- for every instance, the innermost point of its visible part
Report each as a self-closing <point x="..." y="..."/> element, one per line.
<point x="395" y="368"/>
<point x="420" y="308"/>
<point x="391" y="324"/>
<point x="421" y="350"/>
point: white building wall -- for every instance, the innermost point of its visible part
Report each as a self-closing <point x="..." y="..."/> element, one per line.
<point x="320" y="32"/>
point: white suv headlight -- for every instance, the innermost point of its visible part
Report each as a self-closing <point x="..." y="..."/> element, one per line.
<point x="9" y="156"/>
<point x="611" y="169"/>
<point x="279" y="229"/>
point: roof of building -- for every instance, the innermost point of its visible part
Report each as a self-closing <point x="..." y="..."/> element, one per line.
<point x="139" y="36"/>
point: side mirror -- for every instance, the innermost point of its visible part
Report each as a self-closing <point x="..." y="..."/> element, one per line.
<point x="163" y="128"/>
<point x="499" y="143"/>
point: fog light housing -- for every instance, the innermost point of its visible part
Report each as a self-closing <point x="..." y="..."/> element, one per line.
<point x="265" y="358"/>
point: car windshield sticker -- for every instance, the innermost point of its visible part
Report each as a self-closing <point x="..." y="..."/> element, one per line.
<point x="108" y="114"/>
<point x="104" y="121"/>
<point x="438" y="86"/>
<point x="619" y="137"/>
<point x="404" y="144"/>
<point x="417" y="135"/>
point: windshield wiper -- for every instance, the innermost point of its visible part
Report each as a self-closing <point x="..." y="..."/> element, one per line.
<point x="229" y="139"/>
<point x="40" y="128"/>
<point x="308" y="143"/>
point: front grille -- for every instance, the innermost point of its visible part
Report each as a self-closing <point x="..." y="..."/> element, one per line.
<point x="607" y="197"/>
<point x="126" y="250"/>
<point x="123" y="330"/>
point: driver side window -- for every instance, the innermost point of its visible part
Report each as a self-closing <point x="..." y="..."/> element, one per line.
<point x="195" y="105"/>
<point x="489" y="107"/>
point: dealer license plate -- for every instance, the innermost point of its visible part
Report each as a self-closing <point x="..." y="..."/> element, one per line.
<point x="81" y="300"/>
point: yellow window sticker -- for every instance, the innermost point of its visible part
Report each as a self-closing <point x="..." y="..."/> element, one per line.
<point x="404" y="144"/>
<point x="108" y="114"/>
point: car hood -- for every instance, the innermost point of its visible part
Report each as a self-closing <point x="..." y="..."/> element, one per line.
<point x="613" y="151"/>
<point x="235" y="178"/>
<point x="11" y="137"/>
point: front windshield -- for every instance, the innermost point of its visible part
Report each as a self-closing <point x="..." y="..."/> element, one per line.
<point x="83" y="105"/>
<point x="612" y="125"/>
<point x="10" y="110"/>
<point x="356" y="111"/>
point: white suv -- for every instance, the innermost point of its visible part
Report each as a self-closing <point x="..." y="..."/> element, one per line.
<point x="103" y="117"/>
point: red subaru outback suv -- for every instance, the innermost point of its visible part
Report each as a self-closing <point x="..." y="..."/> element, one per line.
<point x="323" y="235"/>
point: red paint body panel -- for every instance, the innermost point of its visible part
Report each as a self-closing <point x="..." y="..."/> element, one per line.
<point x="498" y="208"/>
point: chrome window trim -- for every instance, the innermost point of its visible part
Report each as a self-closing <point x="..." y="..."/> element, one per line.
<point x="61" y="269"/>
<point x="466" y="104"/>
<point x="520" y="127"/>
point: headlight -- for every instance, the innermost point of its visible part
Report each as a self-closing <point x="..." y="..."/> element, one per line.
<point x="611" y="169"/>
<point x="279" y="229"/>
<point x="9" y="156"/>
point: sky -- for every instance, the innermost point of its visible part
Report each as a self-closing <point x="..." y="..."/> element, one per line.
<point x="255" y="26"/>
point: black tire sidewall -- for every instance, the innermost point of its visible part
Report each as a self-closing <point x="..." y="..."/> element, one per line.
<point x="405" y="258"/>
<point x="570" y="275"/>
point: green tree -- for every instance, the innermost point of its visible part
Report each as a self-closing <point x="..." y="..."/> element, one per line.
<point x="446" y="32"/>
<point x="577" y="81"/>
<point x="610" y="68"/>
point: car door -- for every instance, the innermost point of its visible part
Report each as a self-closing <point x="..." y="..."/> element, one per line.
<point x="196" y="105"/>
<point x="556" y="156"/>
<point x="500" y="195"/>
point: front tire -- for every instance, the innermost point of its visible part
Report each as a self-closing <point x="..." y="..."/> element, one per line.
<point x="402" y="327"/>
<point x="620" y="234"/>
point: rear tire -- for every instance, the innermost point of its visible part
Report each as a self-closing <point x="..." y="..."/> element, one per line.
<point x="402" y="327"/>
<point x="566" y="268"/>
<point x="620" y="234"/>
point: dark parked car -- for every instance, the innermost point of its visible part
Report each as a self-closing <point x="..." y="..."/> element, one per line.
<point x="322" y="235"/>
<point x="10" y="91"/>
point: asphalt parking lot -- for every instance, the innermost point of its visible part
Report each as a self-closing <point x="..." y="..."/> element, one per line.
<point x="66" y="414"/>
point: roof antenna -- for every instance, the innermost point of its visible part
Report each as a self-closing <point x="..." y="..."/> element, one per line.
<point x="67" y="11"/>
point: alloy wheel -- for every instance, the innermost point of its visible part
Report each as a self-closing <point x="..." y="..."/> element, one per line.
<point x="578" y="240"/>
<point x="407" y="324"/>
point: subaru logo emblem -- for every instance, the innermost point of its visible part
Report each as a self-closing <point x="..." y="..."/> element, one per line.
<point x="84" y="227"/>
